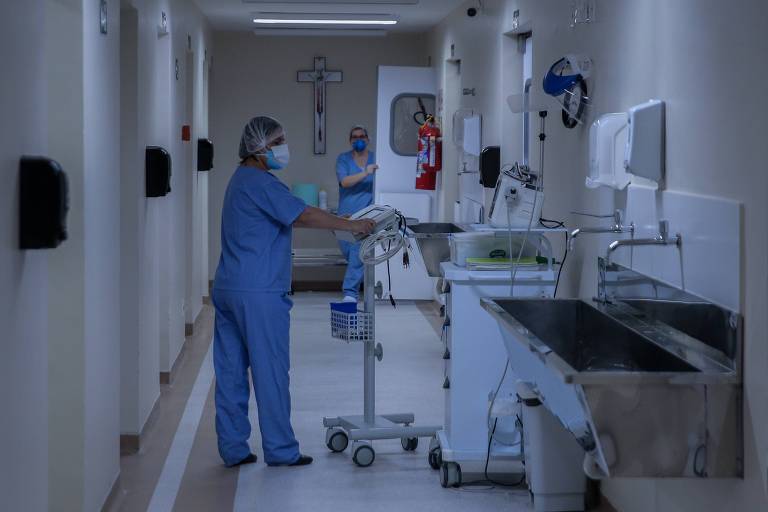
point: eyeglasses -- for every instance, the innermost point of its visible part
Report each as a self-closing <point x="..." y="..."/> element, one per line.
<point x="358" y="137"/>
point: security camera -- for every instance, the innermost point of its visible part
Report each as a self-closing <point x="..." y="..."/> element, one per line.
<point x="472" y="12"/>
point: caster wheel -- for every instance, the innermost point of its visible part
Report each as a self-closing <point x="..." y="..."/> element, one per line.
<point x="450" y="474"/>
<point x="435" y="454"/>
<point x="409" y="444"/>
<point x="434" y="458"/>
<point x="336" y="440"/>
<point x="363" y="454"/>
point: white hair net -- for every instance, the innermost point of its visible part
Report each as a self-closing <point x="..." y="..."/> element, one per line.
<point x="258" y="134"/>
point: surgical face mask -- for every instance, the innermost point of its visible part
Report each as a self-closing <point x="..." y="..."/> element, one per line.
<point x="359" y="145"/>
<point x="278" y="157"/>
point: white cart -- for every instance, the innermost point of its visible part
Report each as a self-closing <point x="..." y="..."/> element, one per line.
<point x="475" y="360"/>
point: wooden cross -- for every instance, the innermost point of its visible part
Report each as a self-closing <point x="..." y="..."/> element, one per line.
<point x="318" y="77"/>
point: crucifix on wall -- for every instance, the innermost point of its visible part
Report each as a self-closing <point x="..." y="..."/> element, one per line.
<point x="319" y="77"/>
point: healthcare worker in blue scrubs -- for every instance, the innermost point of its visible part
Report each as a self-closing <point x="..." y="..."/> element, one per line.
<point x="355" y="171"/>
<point x="250" y="295"/>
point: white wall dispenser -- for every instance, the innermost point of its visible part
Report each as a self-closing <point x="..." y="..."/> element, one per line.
<point x="645" y="154"/>
<point x="607" y="147"/>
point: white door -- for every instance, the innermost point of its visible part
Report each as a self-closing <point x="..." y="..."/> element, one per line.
<point x="402" y="91"/>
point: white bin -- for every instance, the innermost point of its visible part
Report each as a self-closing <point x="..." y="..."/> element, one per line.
<point x="553" y="459"/>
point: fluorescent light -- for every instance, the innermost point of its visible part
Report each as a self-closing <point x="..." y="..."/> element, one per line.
<point x="275" y="21"/>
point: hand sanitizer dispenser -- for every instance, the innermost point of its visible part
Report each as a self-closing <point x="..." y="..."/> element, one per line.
<point x="645" y="146"/>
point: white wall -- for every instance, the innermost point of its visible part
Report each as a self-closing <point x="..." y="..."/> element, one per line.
<point x="23" y="275"/>
<point x="84" y="300"/>
<point x="474" y="63"/>
<point x="102" y="252"/>
<point x="66" y="284"/>
<point x="163" y="275"/>
<point x="257" y="76"/>
<point x="61" y="310"/>
<point x="700" y="59"/>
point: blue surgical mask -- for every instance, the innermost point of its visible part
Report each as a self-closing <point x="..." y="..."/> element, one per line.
<point x="359" y="145"/>
<point x="278" y="157"/>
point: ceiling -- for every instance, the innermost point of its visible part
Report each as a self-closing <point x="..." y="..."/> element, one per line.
<point x="412" y="15"/>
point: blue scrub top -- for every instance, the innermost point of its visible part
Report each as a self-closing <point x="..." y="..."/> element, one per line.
<point x="358" y="197"/>
<point x="256" y="227"/>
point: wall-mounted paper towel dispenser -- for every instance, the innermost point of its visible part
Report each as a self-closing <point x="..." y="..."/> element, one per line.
<point x="204" y="155"/>
<point x="43" y="203"/>
<point x="645" y="155"/>
<point x="158" y="171"/>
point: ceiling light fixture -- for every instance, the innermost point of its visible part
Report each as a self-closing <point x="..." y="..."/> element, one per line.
<point x="276" y="21"/>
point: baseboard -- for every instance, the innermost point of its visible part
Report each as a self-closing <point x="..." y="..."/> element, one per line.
<point x="605" y="505"/>
<point x="111" y="501"/>
<point x="131" y="443"/>
<point x="169" y="377"/>
<point x="317" y="286"/>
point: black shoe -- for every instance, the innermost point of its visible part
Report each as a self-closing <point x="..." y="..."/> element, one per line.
<point x="250" y="459"/>
<point x="303" y="460"/>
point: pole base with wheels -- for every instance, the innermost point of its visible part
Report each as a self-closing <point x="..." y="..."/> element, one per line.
<point x="343" y="429"/>
<point x="368" y="427"/>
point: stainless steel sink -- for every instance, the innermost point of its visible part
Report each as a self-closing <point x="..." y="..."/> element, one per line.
<point x="588" y="340"/>
<point x="432" y="239"/>
<point x="648" y="380"/>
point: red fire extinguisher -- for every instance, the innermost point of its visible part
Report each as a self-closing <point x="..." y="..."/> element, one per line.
<point x="429" y="159"/>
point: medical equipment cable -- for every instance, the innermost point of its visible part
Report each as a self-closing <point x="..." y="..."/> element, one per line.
<point x="562" y="264"/>
<point x="389" y="281"/>
<point x="539" y="185"/>
<point x="551" y="223"/>
<point x="513" y="270"/>
<point x="393" y="240"/>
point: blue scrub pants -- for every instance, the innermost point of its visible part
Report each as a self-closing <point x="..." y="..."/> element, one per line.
<point x="354" y="274"/>
<point x="252" y="330"/>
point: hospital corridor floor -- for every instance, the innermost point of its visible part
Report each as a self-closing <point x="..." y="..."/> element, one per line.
<point x="178" y="466"/>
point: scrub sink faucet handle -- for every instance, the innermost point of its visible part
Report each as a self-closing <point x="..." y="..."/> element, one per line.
<point x="617" y="227"/>
<point x="662" y="238"/>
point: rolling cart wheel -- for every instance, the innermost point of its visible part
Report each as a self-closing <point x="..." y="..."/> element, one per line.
<point x="434" y="458"/>
<point x="363" y="454"/>
<point x="336" y="440"/>
<point x="409" y="444"/>
<point x="450" y="474"/>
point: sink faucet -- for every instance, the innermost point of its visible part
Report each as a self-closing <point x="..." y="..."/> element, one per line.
<point x="617" y="227"/>
<point x="662" y="238"/>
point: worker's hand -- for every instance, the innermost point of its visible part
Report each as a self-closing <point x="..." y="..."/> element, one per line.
<point x="363" y="226"/>
<point x="370" y="169"/>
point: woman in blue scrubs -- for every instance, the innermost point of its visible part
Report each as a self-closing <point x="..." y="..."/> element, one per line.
<point x="250" y="295"/>
<point x="355" y="171"/>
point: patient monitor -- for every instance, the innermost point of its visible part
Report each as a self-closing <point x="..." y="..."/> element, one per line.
<point x="385" y="217"/>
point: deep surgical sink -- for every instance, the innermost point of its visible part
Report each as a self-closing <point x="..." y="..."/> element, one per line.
<point x="589" y="340"/>
<point x="432" y="239"/>
<point x="647" y="377"/>
<point x="436" y="229"/>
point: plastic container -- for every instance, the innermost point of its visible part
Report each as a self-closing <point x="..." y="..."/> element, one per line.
<point x="307" y="192"/>
<point x="322" y="200"/>
<point x="481" y="245"/>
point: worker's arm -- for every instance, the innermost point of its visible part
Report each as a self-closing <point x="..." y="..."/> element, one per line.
<point x="313" y="217"/>
<point x="354" y="179"/>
